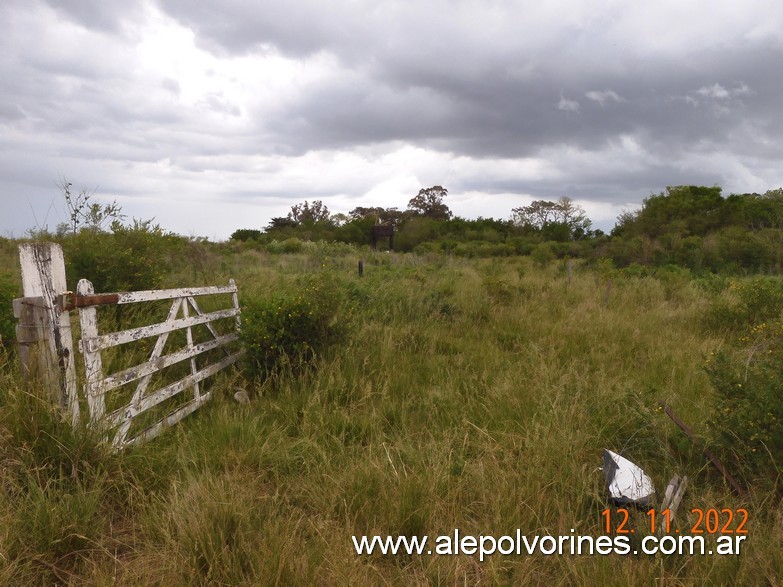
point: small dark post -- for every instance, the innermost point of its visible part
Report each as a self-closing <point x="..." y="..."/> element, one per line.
<point x="361" y="268"/>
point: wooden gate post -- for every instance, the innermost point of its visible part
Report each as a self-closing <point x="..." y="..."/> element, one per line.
<point x="44" y="326"/>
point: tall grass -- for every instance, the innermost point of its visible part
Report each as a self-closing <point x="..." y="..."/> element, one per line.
<point x="468" y="394"/>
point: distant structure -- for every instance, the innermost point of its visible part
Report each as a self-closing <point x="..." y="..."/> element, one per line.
<point x="382" y="231"/>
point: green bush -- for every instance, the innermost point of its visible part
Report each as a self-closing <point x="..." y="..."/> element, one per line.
<point x="289" y="245"/>
<point x="747" y="424"/>
<point x="543" y="254"/>
<point x="499" y="290"/>
<point x="8" y="291"/>
<point x="290" y="329"/>
<point x="130" y="258"/>
<point x="754" y="301"/>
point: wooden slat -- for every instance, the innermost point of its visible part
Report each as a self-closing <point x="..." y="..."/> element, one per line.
<point x="189" y="340"/>
<point x="194" y="304"/>
<point x="169" y="420"/>
<point x="158" y="364"/>
<point x="129" y="412"/>
<point x="93" y="365"/>
<point x="132" y="297"/>
<point x="157" y="351"/>
<point x="117" y="338"/>
<point x="72" y="302"/>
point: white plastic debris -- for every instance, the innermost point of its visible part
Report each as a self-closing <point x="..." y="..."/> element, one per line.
<point x="626" y="482"/>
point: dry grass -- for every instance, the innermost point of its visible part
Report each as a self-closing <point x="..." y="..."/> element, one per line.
<point x="471" y="394"/>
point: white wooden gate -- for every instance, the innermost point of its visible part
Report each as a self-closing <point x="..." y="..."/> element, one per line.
<point x="186" y="315"/>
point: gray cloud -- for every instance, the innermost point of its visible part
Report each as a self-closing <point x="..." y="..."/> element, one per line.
<point x="609" y="104"/>
<point x="96" y="14"/>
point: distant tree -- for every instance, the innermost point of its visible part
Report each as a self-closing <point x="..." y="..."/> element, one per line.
<point x="309" y="213"/>
<point x="429" y="203"/>
<point x="245" y="234"/>
<point x="362" y="212"/>
<point x="281" y="222"/>
<point x="339" y="219"/>
<point x="684" y="210"/>
<point x="760" y="211"/>
<point x="574" y="216"/>
<point x="538" y="214"/>
<point x="378" y="214"/>
<point x="561" y="220"/>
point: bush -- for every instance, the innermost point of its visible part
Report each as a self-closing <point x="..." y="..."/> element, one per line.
<point x="747" y="424"/>
<point x="8" y="291"/>
<point x="289" y="245"/>
<point x="289" y="330"/>
<point x="543" y="254"/>
<point x="130" y="258"/>
<point x="754" y="301"/>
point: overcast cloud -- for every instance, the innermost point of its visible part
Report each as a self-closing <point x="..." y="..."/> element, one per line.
<point x="216" y="116"/>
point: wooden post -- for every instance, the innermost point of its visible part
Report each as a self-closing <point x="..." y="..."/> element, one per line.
<point x="31" y="329"/>
<point x="93" y="366"/>
<point x="44" y="326"/>
<point x="361" y="268"/>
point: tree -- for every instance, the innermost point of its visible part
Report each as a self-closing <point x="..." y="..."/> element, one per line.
<point x="82" y="213"/>
<point x="564" y="219"/>
<point x="538" y="214"/>
<point x="280" y="222"/>
<point x="377" y="214"/>
<point x="684" y="210"/>
<point x="429" y="203"/>
<point x="338" y="219"/>
<point x="309" y="213"/>
<point x="573" y="216"/>
<point x="245" y="234"/>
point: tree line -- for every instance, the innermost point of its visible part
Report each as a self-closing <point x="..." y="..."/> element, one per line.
<point x="429" y="224"/>
<point x="691" y="226"/>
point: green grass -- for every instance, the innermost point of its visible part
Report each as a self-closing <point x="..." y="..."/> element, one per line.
<point x="467" y="394"/>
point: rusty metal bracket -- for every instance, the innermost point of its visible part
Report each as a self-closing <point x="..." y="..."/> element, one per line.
<point x="68" y="301"/>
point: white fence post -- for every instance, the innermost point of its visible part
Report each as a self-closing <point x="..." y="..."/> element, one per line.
<point x="43" y="323"/>
<point x="93" y="366"/>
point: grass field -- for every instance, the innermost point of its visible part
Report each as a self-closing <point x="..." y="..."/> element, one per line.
<point x="469" y="394"/>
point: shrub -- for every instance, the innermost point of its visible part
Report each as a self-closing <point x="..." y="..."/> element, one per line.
<point x="747" y="423"/>
<point x="129" y="258"/>
<point x="8" y="291"/>
<point x="289" y="245"/>
<point x="498" y="290"/>
<point x="543" y="254"/>
<point x="754" y="301"/>
<point x="289" y="330"/>
<point x="245" y="234"/>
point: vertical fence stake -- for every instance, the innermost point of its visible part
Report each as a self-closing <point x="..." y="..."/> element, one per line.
<point x="93" y="366"/>
<point x="43" y="277"/>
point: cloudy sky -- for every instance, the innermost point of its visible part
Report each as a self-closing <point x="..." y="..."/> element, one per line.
<point x="213" y="116"/>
